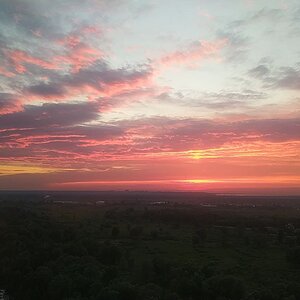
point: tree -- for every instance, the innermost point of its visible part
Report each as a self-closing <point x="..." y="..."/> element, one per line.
<point x="110" y="254"/>
<point x="229" y="287"/>
<point x="115" y="232"/>
<point x="60" y="287"/>
<point x="150" y="291"/>
<point x="293" y="256"/>
<point x="136" y="232"/>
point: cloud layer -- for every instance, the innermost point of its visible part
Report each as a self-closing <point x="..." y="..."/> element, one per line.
<point x="124" y="92"/>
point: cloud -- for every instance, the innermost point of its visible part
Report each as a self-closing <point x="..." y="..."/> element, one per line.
<point x="106" y="81"/>
<point x="9" y="103"/>
<point x="216" y="101"/>
<point x="259" y="71"/>
<point x="135" y="95"/>
<point x="239" y="32"/>
<point x="62" y="142"/>
<point x="50" y="115"/>
<point x="28" y="15"/>
<point x="272" y="15"/>
<point x="19" y="59"/>
<point x="165" y="134"/>
<point x="93" y="82"/>
<point x="74" y="54"/>
<point x="80" y="56"/>
<point x="263" y="129"/>
<point x="50" y="20"/>
<point x="281" y="78"/>
<point x="78" y="53"/>
<point x="53" y="131"/>
<point x="69" y="145"/>
<point x="47" y="90"/>
<point x="56" y="55"/>
<point x="262" y="15"/>
<point x="195" y="52"/>
<point x="38" y="35"/>
<point x="5" y="72"/>
<point x="237" y="45"/>
<point x="288" y="78"/>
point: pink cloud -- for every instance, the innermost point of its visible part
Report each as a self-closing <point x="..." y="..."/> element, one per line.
<point x="20" y="59"/>
<point x="9" y="104"/>
<point x="6" y="73"/>
<point x="76" y="54"/>
<point x="80" y="56"/>
<point x="194" y="53"/>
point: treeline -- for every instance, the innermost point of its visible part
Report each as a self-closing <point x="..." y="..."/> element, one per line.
<point x="94" y="258"/>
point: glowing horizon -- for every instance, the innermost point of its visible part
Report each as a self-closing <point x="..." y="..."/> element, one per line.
<point x="120" y="94"/>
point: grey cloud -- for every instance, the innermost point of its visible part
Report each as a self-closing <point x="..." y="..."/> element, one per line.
<point x="8" y="103"/>
<point x="102" y="74"/>
<point x="184" y="134"/>
<point x="99" y="76"/>
<point x="210" y="134"/>
<point x="50" y="115"/>
<point x="216" y="101"/>
<point x="47" y="90"/>
<point x="163" y="134"/>
<point x="36" y="26"/>
<point x="238" y="44"/>
<point x="283" y="78"/>
<point x="288" y="78"/>
<point x="27" y="16"/>
<point x="270" y="14"/>
<point x="50" y="17"/>
<point x="265" y="14"/>
<point x="259" y="71"/>
<point x="65" y="142"/>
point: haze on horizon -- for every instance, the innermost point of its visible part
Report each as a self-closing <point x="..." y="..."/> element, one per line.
<point x="151" y="95"/>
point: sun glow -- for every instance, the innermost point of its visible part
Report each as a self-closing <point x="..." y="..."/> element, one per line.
<point x="266" y="179"/>
<point x="13" y="169"/>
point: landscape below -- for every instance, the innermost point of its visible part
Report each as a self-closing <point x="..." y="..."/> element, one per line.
<point x="149" y="245"/>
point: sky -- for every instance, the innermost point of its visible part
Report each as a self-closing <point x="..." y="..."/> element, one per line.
<point x="150" y="95"/>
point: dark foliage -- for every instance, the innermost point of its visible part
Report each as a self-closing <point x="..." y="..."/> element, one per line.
<point x="76" y="253"/>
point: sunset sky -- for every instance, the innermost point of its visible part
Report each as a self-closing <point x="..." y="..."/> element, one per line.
<point x="150" y="95"/>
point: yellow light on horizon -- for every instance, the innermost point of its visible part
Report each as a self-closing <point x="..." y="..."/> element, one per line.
<point x="198" y="181"/>
<point x="262" y="179"/>
<point x="14" y="169"/>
